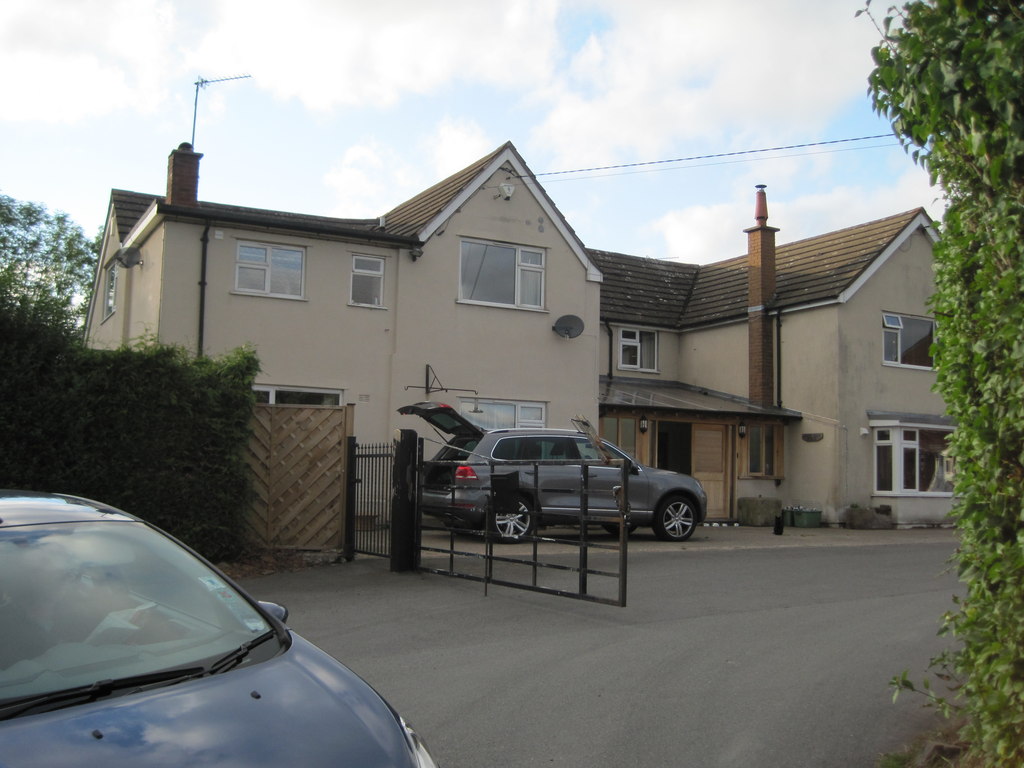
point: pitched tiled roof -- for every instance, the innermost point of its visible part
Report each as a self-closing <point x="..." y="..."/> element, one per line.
<point x="816" y="269"/>
<point x="129" y="207"/>
<point x="672" y="295"/>
<point x="641" y="290"/>
<point x="409" y="218"/>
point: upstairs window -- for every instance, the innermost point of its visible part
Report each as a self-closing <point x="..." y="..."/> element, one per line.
<point x="367" y="281"/>
<point x="491" y="273"/>
<point x="638" y="350"/>
<point x="907" y="340"/>
<point x="270" y="270"/>
<point x="110" y="299"/>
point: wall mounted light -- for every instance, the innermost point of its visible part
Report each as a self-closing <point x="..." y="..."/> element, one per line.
<point x="644" y="425"/>
<point x="742" y="430"/>
<point x="505" y="190"/>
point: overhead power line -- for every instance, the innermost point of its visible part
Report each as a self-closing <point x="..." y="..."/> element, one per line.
<point x="714" y="156"/>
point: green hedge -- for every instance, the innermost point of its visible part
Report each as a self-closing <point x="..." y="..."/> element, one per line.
<point x="148" y="429"/>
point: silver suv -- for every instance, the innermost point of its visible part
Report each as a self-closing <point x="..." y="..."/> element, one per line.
<point x="551" y="468"/>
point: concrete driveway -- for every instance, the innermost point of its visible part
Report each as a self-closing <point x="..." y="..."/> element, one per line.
<point x="737" y="648"/>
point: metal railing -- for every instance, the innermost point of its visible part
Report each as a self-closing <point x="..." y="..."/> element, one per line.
<point x="571" y="564"/>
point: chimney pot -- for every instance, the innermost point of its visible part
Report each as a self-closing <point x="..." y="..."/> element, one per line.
<point x="760" y="205"/>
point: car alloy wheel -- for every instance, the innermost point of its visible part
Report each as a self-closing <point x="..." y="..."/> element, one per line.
<point x="514" y="525"/>
<point x="675" y="520"/>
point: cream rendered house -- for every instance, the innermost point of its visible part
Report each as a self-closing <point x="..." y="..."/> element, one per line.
<point x="800" y="373"/>
<point x="458" y="289"/>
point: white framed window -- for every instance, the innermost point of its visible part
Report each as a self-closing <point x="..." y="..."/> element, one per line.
<point x="270" y="270"/>
<point x="907" y="340"/>
<point x="297" y="395"/>
<point x="367" y="281"/>
<point x="110" y="292"/>
<point x="503" y="414"/>
<point x="507" y="275"/>
<point x="638" y="350"/>
<point x="913" y="460"/>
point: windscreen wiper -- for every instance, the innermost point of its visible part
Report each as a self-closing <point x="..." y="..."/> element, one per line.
<point x="235" y="657"/>
<point x="85" y="693"/>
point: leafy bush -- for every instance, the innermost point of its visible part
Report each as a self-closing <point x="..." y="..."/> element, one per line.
<point x="950" y="75"/>
<point x="147" y="429"/>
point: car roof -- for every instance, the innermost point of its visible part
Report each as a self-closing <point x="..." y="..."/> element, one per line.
<point x="34" y="508"/>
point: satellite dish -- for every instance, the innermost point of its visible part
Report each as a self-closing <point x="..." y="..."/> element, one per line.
<point x="568" y="326"/>
<point x="128" y="257"/>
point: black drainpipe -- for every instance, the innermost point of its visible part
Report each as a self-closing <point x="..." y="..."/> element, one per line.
<point x="611" y="350"/>
<point x="205" y="240"/>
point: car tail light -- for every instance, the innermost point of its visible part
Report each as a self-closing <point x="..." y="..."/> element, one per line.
<point x="465" y="472"/>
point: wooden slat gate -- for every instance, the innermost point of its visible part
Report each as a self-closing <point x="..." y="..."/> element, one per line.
<point x="298" y="458"/>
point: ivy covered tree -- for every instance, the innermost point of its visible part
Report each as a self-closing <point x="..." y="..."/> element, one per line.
<point x="45" y="258"/>
<point x="950" y="76"/>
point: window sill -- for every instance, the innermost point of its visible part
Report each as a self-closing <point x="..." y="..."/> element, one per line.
<point x="267" y="295"/>
<point x="890" y="364"/>
<point x="366" y="306"/>
<point x="501" y="306"/>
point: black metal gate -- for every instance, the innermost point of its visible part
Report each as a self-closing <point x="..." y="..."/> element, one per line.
<point x="368" y="505"/>
<point x="585" y="561"/>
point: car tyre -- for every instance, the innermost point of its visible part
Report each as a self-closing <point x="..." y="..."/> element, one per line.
<point x="675" y="519"/>
<point x="514" y="526"/>
<point x="613" y="528"/>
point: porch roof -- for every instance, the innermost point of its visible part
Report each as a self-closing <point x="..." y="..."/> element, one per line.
<point x="655" y="395"/>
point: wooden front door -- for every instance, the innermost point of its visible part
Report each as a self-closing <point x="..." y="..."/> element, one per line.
<point x="710" y="467"/>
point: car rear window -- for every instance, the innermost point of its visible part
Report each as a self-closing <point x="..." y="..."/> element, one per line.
<point x="536" y="448"/>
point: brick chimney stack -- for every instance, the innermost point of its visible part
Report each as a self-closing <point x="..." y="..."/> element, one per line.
<point x="183" y="176"/>
<point x="760" y="295"/>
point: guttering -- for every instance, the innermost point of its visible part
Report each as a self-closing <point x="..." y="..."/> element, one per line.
<point x="611" y="350"/>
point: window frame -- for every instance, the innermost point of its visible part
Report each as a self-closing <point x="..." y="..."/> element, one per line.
<point x="267" y="267"/>
<point x="893" y="328"/>
<point x="637" y="344"/>
<point x="757" y="439"/>
<point x="273" y="395"/>
<point x="525" y="413"/>
<point x="110" y="291"/>
<point x="358" y="272"/>
<point x="901" y="445"/>
<point x="522" y="270"/>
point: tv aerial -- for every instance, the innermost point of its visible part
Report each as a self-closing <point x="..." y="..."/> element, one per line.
<point x="202" y="82"/>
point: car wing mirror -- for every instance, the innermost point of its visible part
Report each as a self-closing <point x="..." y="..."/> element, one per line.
<point x="276" y="610"/>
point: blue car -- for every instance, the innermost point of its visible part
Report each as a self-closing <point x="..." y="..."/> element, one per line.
<point x="119" y="646"/>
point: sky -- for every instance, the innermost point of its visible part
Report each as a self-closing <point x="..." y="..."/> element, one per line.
<point x="351" y="107"/>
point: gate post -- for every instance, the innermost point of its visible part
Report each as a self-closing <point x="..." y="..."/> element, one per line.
<point x="348" y="546"/>
<point x="404" y="552"/>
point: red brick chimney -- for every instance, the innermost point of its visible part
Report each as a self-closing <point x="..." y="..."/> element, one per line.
<point x="760" y="294"/>
<point x="183" y="176"/>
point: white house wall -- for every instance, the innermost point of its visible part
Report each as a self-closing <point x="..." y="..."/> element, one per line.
<point x="502" y="353"/>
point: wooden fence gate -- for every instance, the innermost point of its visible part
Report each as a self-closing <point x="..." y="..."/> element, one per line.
<point x="298" y="458"/>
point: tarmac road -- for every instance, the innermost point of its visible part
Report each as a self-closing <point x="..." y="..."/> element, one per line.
<point x="736" y="649"/>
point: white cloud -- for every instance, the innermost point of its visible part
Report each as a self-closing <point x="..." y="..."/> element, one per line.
<point x="704" y="234"/>
<point x="328" y="54"/>
<point x="66" y="60"/>
<point x="731" y="72"/>
<point x="364" y="181"/>
<point x="455" y="144"/>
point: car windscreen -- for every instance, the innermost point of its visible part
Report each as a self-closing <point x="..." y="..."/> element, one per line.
<point x="99" y="601"/>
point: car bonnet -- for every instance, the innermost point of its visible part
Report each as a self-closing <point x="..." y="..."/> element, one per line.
<point x="299" y="708"/>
